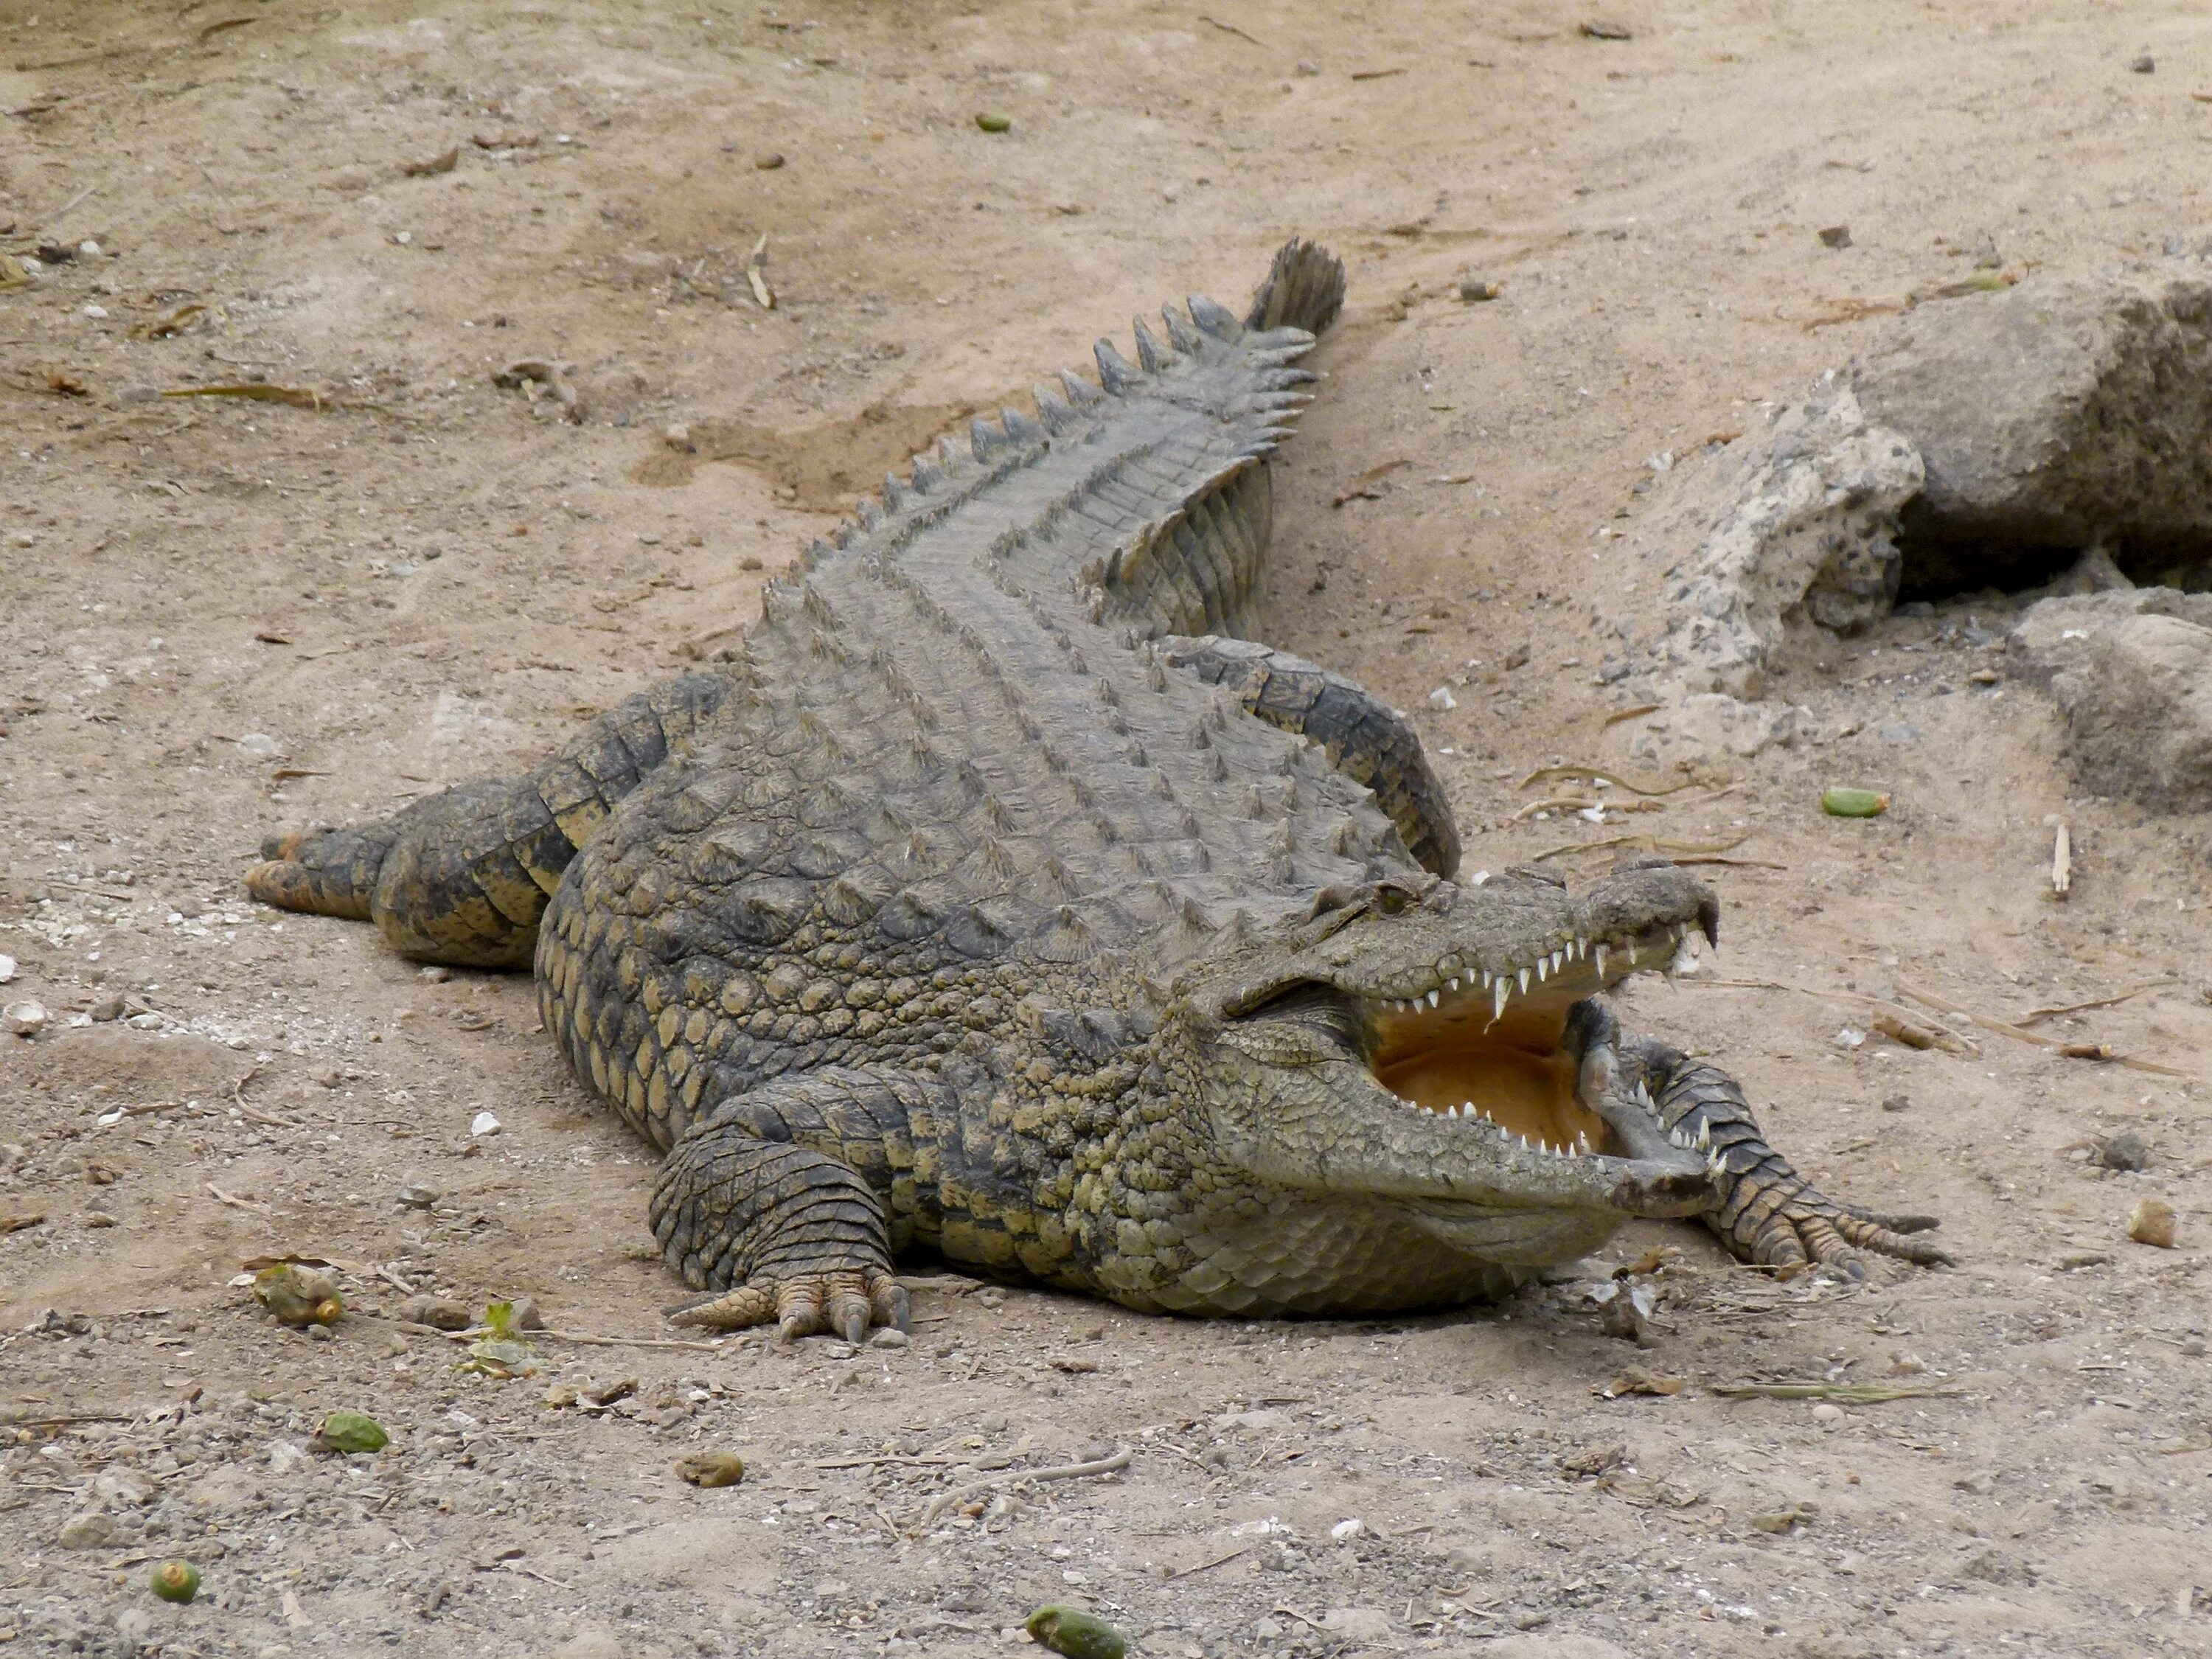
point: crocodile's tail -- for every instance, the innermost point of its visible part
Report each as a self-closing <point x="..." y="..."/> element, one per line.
<point x="463" y="875"/>
<point x="1305" y="288"/>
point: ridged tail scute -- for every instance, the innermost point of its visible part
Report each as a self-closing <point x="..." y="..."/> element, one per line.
<point x="1305" y="288"/>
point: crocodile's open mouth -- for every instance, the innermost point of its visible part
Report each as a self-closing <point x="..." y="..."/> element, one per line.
<point x="1485" y="1048"/>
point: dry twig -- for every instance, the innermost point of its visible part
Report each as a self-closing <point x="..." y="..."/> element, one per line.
<point x="945" y="1500"/>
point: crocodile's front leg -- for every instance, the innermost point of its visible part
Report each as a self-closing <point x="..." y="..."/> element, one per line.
<point x="1768" y="1213"/>
<point x="790" y="1198"/>
<point x="1364" y="739"/>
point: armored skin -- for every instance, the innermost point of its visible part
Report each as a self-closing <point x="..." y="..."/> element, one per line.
<point x="999" y="897"/>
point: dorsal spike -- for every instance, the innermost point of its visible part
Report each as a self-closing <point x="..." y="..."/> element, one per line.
<point x="819" y="550"/>
<point x="950" y="456"/>
<point x="1182" y="334"/>
<point x="869" y="512"/>
<point x="1213" y="319"/>
<point x="986" y="439"/>
<point x="1019" y="426"/>
<point x="1115" y="373"/>
<point x="1055" y="410"/>
<point x="897" y="495"/>
<point x="927" y="476"/>
<point x="1080" y="391"/>
<point x="1150" y="352"/>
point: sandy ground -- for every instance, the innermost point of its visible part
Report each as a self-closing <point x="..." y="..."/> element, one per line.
<point x="219" y="616"/>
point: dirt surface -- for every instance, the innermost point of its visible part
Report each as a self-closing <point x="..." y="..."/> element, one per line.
<point x="219" y="617"/>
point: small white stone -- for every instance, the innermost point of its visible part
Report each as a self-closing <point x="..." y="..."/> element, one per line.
<point x="26" y="1018"/>
<point x="89" y="250"/>
<point x="95" y="312"/>
<point x="1441" y="698"/>
<point x="257" y="742"/>
<point x="7" y="969"/>
<point x="484" y="1123"/>
<point x="1350" y="1528"/>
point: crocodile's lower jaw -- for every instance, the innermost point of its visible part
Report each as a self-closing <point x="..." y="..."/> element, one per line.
<point x="1461" y="1058"/>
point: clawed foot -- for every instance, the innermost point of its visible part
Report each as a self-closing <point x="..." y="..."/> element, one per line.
<point x="845" y="1303"/>
<point x="1786" y="1223"/>
<point x="1769" y="1214"/>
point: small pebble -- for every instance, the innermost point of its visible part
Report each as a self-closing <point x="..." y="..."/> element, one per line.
<point x="2126" y="1151"/>
<point x="1306" y="66"/>
<point x="26" y="1018"/>
<point x="484" y="1123"/>
<point x="439" y="1312"/>
<point x="98" y="1218"/>
<point x="712" y="1469"/>
<point x="108" y="1008"/>
<point x="769" y="161"/>
<point x="1897" y="1103"/>
<point x="7" y="969"/>
<point x="1474" y="291"/>
<point x="890" y="1337"/>
<point x="437" y="973"/>
<point x="94" y="1529"/>
<point x="417" y="1194"/>
<point x="1836" y="236"/>
<point x="679" y="436"/>
<point x="524" y="1314"/>
<point x="2143" y="64"/>
<point x="2153" y="1224"/>
<point x="1828" y="1414"/>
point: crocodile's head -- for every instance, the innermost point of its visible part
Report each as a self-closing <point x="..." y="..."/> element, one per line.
<point x="1413" y="1043"/>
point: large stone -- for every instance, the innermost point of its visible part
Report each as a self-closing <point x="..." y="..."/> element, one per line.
<point x="1991" y="440"/>
<point x="2131" y="673"/>
<point x="2066" y="414"/>
<point x="1805" y="532"/>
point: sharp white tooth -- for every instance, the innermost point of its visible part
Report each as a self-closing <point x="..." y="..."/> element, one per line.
<point x="1678" y="1138"/>
<point x="1581" y="1144"/>
<point x="1451" y="985"/>
<point x="1504" y="990"/>
<point x="1524" y="982"/>
<point x="1644" y="1096"/>
<point x="1557" y="957"/>
<point x="1452" y="1112"/>
<point x="1486" y="979"/>
<point x="1524" y="1143"/>
<point x="1543" y="968"/>
<point x="1704" y="1137"/>
<point x="1600" y="962"/>
<point x="1433" y="998"/>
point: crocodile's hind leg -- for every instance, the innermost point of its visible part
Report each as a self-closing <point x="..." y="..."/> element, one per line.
<point x="1768" y="1213"/>
<point x="1364" y="737"/>
<point x="463" y="875"/>
<point x="790" y="1200"/>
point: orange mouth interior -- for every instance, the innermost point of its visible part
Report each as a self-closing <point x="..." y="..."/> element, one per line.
<point x="1459" y="1060"/>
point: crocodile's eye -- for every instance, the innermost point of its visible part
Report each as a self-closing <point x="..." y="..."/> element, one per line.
<point x="1393" y="901"/>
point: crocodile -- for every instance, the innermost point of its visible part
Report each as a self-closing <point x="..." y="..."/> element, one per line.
<point x="998" y="897"/>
